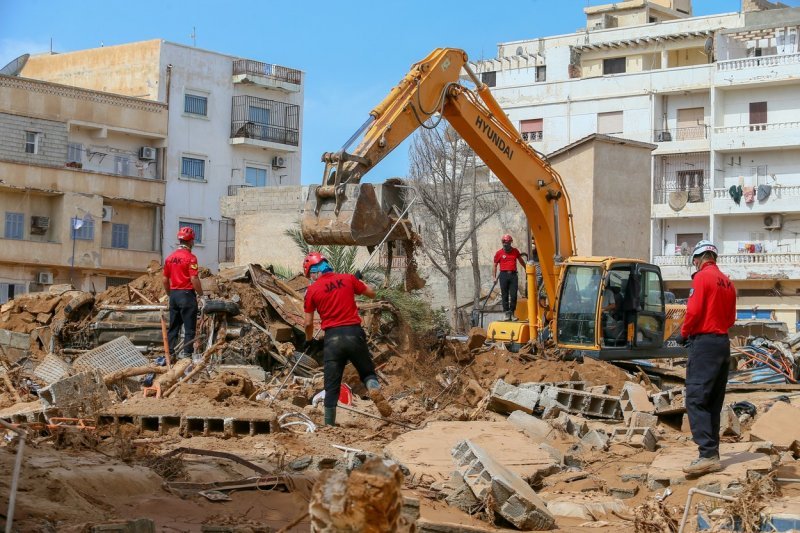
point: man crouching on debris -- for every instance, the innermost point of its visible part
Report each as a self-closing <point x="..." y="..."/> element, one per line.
<point x="333" y="295"/>
<point x="710" y="312"/>
<point x="182" y="286"/>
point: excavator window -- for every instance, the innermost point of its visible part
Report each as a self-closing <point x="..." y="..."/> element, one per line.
<point x="651" y="317"/>
<point x="577" y="306"/>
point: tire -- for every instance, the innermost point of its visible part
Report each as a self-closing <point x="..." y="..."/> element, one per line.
<point x="221" y="306"/>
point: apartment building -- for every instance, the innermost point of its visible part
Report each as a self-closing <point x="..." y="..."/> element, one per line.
<point x="233" y="123"/>
<point x="716" y="95"/>
<point x="81" y="186"/>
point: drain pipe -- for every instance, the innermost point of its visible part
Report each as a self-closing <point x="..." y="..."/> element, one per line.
<point x="694" y="491"/>
<point x="12" y="495"/>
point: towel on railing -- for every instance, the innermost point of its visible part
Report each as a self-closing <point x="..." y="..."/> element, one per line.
<point x="763" y="192"/>
<point x="749" y="194"/>
<point x="736" y="193"/>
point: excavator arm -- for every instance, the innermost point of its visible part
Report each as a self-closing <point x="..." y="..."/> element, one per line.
<point x="343" y="211"/>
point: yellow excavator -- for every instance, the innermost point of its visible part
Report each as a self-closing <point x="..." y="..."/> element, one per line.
<point x="604" y="307"/>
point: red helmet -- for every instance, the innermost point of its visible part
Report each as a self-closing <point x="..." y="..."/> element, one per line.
<point x="313" y="258"/>
<point x="506" y="238"/>
<point x="186" y="234"/>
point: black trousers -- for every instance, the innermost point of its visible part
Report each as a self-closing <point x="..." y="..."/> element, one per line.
<point x="706" y="378"/>
<point x="343" y="344"/>
<point x="182" y="312"/>
<point x="508" y="289"/>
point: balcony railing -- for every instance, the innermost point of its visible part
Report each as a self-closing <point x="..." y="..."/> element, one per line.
<point x="265" y="120"/>
<point x="695" y="194"/>
<point x="233" y="190"/>
<point x="690" y="133"/>
<point x="764" y="61"/>
<point x="778" y="191"/>
<point x="769" y="126"/>
<point x="267" y="70"/>
<point x="672" y="260"/>
<point x="789" y="258"/>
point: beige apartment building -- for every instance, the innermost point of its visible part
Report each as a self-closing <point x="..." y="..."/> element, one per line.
<point x="81" y="186"/>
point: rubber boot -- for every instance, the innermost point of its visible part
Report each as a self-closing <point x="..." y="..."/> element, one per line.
<point x="330" y="416"/>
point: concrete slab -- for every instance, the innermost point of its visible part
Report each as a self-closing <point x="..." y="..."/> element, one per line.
<point x="80" y="395"/>
<point x="589" y="507"/>
<point x="512" y="498"/>
<point x="636" y="437"/>
<point x="427" y="450"/>
<point x="23" y="412"/>
<point x="642" y="420"/>
<point x="535" y="428"/>
<point x="779" y="425"/>
<point x="506" y="398"/>
<point x="737" y="460"/>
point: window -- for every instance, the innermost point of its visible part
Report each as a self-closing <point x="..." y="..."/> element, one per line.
<point x="14" y="225"/>
<point x="578" y="305"/>
<point x="86" y="230"/>
<point x="532" y="130"/>
<point x="196" y="226"/>
<point x="193" y="168"/>
<point x="685" y="242"/>
<point x="758" y="116"/>
<point x="195" y="105"/>
<point x="691" y="123"/>
<point x="541" y="73"/>
<point x="31" y="142"/>
<point x="489" y="78"/>
<point x="258" y="115"/>
<point x="255" y="177"/>
<point x="614" y="66"/>
<point x="119" y="235"/>
<point x="609" y="123"/>
<point x="9" y="291"/>
<point x="74" y="153"/>
<point x="122" y="165"/>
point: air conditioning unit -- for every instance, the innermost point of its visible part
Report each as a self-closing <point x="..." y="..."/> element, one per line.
<point x="278" y="162"/>
<point x="39" y="225"/>
<point x="108" y="212"/>
<point x="664" y="137"/>
<point x="147" y="153"/>
<point x="773" y="221"/>
<point x="44" y="278"/>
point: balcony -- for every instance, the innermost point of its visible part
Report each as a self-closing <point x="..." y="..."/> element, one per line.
<point x="782" y="199"/>
<point x="674" y="267"/>
<point x="773" y="68"/>
<point x="265" y="123"/>
<point x="681" y="140"/>
<point x="267" y="75"/>
<point x="769" y="266"/>
<point x="756" y="136"/>
<point x="233" y="190"/>
<point x="125" y="260"/>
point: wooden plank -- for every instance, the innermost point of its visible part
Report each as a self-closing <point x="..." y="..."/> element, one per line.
<point x="774" y="387"/>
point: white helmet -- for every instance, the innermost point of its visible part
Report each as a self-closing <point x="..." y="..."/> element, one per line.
<point x="703" y="247"/>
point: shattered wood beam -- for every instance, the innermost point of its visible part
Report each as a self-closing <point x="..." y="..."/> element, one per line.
<point x="108" y="379"/>
<point x="197" y="369"/>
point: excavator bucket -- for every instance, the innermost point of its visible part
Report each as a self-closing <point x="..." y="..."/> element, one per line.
<point x="351" y="216"/>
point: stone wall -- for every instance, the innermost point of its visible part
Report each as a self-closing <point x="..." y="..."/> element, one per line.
<point x="52" y="142"/>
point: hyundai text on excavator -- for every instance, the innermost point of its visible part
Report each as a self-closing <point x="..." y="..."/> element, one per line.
<point x="576" y="290"/>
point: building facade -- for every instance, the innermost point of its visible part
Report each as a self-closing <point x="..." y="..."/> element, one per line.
<point x="233" y="123"/>
<point x="716" y="95"/>
<point x="81" y="199"/>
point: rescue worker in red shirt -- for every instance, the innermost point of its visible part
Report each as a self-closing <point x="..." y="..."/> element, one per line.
<point x="183" y="288"/>
<point x="333" y="295"/>
<point x="507" y="257"/>
<point x="710" y="312"/>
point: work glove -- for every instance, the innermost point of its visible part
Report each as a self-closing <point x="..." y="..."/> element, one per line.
<point x="201" y="302"/>
<point x="312" y="346"/>
<point x="681" y="340"/>
<point x="359" y="275"/>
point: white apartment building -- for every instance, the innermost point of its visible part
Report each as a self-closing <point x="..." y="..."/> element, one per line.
<point x="717" y="95"/>
<point x="233" y="123"/>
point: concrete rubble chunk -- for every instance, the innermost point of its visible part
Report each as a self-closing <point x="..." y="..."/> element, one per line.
<point x="506" y="398"/>
<point x="729" y="422"/>
<point x="634" y="398"/>
<point x="461" y="495"/>
<point x="624" y="490"/>
<point x="670" y="401"/>
<point x="779" y="425"/>
<point x="585" y="506"/>
<point x="594" y="440"/>
<point x="566" y="424"/>
<point x="512" y="498"/>
<point x="476" y="338"/>
<point x="254" y="372"/>
<point x="636" y="437"/>
<point x="642" y="420"/>
<point x="77" y="396"/>
<point x="582" y="403"/>
<point x="533" y="427"/>
<point x="794" y="340"/>
<point x="13" y="345"/>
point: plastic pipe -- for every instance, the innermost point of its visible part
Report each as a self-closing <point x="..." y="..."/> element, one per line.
<point x="694" y="491"/>
<point x="12" y="495"/>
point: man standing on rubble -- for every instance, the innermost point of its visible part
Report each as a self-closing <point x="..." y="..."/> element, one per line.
<point x="710" y="312"/>
<point x="507" y="258"/>
<point x="333" y="295"/>
<point x="183" y="289"/>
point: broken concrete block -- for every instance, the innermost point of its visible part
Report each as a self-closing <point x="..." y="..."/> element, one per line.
<point x="778" y="425"/>
<point x="461" y="495"/>
<point x="530" y="425"/>
<point x="729" y="422"/>
<point x="13" y="345"/>
<point x="281" y="332"/>
<point x="636" y="437"/>
<point x="476" y="338"/>
<point x="77" y="396"/>
<point x="670" y="401"/>
<point x="556" y="455"/>
<point x="512" y="498"/>
<point x="582" y="403"/>
<point x="551" y="413"/>
<point x="642" y="420"/>
<point x="623" y="491"/>
<point x="594" y="440"/>
<point x="634" y="473"/>
<point x="634" y="398"/>
<point x="506" y="398"/>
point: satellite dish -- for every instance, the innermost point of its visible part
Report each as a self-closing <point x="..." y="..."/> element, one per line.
<point x="15" y="67"/>
<point x="708" y="47"/>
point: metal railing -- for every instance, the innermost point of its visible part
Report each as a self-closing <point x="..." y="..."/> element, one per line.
<point x="233" y="190"/>
<point x="672" y="260"/>
<point x="690" y="133"/>
<point x="778" y="191"/>
<point x="265" y="120"/>
<point x="267" y="70"/>
<point x="758" y="127"/>
<point x="695" y="194"/>
<point x="763" y="61"/>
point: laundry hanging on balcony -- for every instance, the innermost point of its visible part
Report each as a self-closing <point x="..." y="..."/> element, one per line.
<point x="736" y="193"/>
<point x="678" y="199"/>
<point x="764" y="191"/>
<point x="749" y="194"/>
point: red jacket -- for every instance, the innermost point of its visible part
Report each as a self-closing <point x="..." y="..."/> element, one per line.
<point x="712" y="303"/>
<point x="332" y="295"/>
<point x="180" y="267"/>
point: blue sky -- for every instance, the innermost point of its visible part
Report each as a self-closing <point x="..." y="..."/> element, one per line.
<point x="352" y="52"/>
